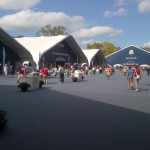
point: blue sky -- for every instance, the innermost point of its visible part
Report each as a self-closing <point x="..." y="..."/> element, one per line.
<point x="121" y="22"/>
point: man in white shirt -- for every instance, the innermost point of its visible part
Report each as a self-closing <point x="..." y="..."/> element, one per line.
<point x="61" y="73"/>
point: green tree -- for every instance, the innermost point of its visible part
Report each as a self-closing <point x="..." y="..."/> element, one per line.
<point x="48" y="30"/>
<point x="146" y="48"/>
<point x="18" y="36"/>
<point x="94" y="45"/>
<point x="106" y="47"/>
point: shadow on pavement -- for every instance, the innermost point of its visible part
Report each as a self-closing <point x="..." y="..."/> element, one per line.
<point x="49" y="120"/>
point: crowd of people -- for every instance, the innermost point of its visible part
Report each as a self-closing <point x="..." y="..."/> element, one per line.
<point x="131" y="73"/>
<point x="18" y="70"/>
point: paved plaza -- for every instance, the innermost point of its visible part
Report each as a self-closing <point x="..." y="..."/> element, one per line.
<point x="94" y="114"/>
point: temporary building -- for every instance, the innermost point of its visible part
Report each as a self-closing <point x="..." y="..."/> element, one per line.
<point x="53" y="50"/>
<point x="131" y="55"/>
<point x="12" y="52"/>
<point x="94" y="56"/>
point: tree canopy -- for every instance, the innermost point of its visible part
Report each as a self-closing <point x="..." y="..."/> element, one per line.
<point x="146" y="48"/>
<point x="18" y="36"/>
<point x="106" y="47"/>
<point x="48" y="30"/>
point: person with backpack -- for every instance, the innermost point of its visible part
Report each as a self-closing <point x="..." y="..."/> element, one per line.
<point x="130" y="75"/>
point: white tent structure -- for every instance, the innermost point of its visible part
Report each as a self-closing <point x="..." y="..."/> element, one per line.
<point x="53" y="45"/>
<point x="94" y="56"/>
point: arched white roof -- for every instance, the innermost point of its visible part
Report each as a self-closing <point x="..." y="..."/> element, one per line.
<point x="90" y="54"/>
<point x="39" y="45"/>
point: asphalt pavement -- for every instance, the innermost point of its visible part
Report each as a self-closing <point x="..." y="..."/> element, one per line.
<point x="94" y="114"/>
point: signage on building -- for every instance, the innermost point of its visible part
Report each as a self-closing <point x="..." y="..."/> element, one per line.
<point x="60" y="59"/>
<point x="131" y="52"/>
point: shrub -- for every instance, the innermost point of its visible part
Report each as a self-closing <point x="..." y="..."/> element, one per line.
<point x="24" y="86"/>
<point x="74" y="79"/>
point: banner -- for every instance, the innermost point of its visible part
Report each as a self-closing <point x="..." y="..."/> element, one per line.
<point x="39" y="62"/>
<point x="43" y="62"/>
<point x="4" y="56"/>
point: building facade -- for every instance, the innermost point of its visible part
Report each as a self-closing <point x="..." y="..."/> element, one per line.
<point x="131" y="55"/>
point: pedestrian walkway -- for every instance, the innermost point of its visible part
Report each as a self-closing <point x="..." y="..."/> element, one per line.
<point x="94" y="114"/>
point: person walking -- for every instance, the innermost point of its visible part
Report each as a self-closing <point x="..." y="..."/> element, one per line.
<point x="136" y="79"/>
<point x="10" y="71"/>
<point x="72" y="70"/>
<point x="45" y="75"/>
<point x="5" y="70"/>
<point x="124" y="71"/>
<point x="17" y="72"/>
<point x="61" y="73"/>
<point x="23" y="74"/>
<point x="130" y="74"/>
<point x="41" y="74"/>
<point x="108" y="72"/>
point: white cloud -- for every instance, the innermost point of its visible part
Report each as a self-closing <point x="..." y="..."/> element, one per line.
<point x="96" y="31"/>
<point x="120" y="3"/>
<point x="29" y="20"/>
<point x="17" y="4"/>
<point x="144" y="6"/>
<point x="84" y="43"/>
<point x="146" y="44"/>
<point x="120" y="12"/>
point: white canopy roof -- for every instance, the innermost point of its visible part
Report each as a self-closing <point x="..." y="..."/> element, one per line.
<point x="90" y="54"/>
<point x="40" y="45"/>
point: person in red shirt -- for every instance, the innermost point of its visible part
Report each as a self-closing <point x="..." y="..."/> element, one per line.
<point x="136" y="72"/>
<point x="41" y="74"/>
<point x="45" y="75"/>
<point x="23" y="74"/>
<point x="108" y="71"/>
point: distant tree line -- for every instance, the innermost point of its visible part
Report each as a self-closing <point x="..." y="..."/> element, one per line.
<point x="107" y="48"/>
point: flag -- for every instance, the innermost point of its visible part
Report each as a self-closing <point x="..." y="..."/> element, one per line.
<point x="39" y="61"/>
<point x="43" y="62"/>
<point x="39" y="56"/>
<point x="4" y="56"/>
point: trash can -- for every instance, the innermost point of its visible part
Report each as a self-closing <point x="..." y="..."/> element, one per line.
<point x="78" y="74"/>
<point x="33" y="81"/>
